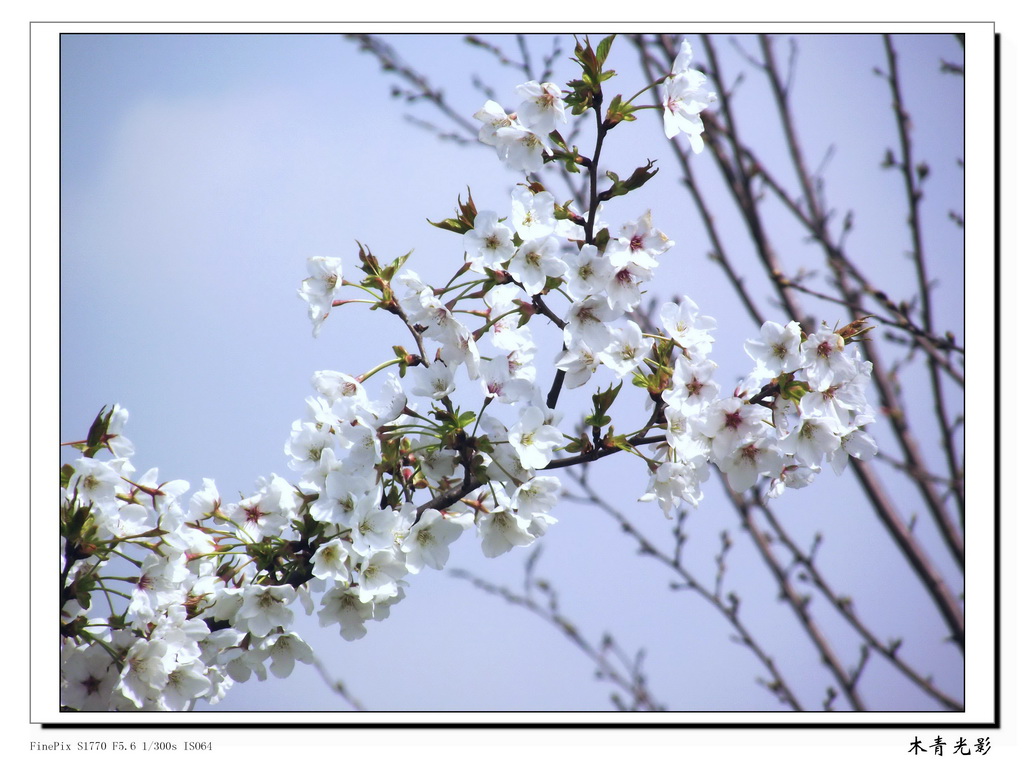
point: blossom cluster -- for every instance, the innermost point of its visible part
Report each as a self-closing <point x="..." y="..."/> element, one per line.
<point x="453" y="436"/>
<point x="190" y="607"/>
<point x="521" y="139"/>
<point x="802" y="406"/>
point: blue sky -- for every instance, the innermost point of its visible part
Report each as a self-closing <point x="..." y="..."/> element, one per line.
<point x="199" y="171"/>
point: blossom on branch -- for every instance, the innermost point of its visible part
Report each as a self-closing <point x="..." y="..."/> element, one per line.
<point x="686" y="95"/>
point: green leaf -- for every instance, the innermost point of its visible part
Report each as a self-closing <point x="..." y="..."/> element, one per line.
<point x="568" y="159"/>
<point x="464" y="218"/>
<point x="562" y="211"/>
<point x="388" y="273"/>
<point x="636" y="180"/>
<point x="586" y="58"/>
<point x="641" y="380"/>
<point x="618" y="441"/>
<point x="452" y="225"/>
<point x="84" y="595"/>
<point x="603" y="48"/>
<point x="618" y="111"/>
<point x="792" y="389"/>
<point x="98" y="429"/>
<point x="581" y="96"/>
<point x="604" y="399"/>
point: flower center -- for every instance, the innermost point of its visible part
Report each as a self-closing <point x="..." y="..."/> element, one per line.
<point x="424" y="537"/>
<point x="253" y="514"/>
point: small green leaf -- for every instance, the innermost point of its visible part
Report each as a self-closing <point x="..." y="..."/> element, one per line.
<point x="637" y="179"/>
<point x="618" y="441"/>
<point x="605" y="398"/>
<point x="641" y="380"/>
<point x="464" y="219"/>
<point x="603" y="48"/>
<point x="452" y="225"/>
<point x="562" y="211"/>
<point x="99" y="428"/>
<point x="568" y="159"/>
<point x="388" y="273"/>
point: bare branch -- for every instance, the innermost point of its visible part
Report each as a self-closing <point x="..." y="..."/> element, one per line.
<point x="844" y="606"/>
<point x="421" y="88"/>
<point x="336" y="685"/>
<point x="913" y="178"/>
<point x="728" y="606"/>
<point x="611" y="662"/>
<point x="799" y="603"/>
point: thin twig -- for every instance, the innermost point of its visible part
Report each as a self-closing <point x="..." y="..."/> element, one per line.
<point x="897" y="417"/>
<point x="912" y="178"/>
<point x="797" y="602"/>
<point x="844" y="607"/>
<point x="728" y="607"/>
<point x="336" y="685"/>
<point x="627" y="675"/>
<point x="719" y="254"/>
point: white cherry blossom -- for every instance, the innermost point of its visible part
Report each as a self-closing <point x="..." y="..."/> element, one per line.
<point x="493" y="117"/>
<point x="533" y="214"/>
<point x="534" y="262"/>
<point x="686" y="95"/>
<point x="825" y="362"/>
<point x="688" y="328"/>
<point x="778" y="349"/>
<point x="320" y="288"/>
<point x="428" y="541"/>
<point x="489" y="243"/>
<point x="533" y="440"/>
<point x="542" y="107"/>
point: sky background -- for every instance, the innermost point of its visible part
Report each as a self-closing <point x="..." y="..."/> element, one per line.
<point x="198" y="172"/>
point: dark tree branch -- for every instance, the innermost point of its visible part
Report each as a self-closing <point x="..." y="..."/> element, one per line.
<point x="797" y="602"/>
<point x="844" y="606"/>
<point x="913" y="177"/>
<point x="896" y="416"/>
